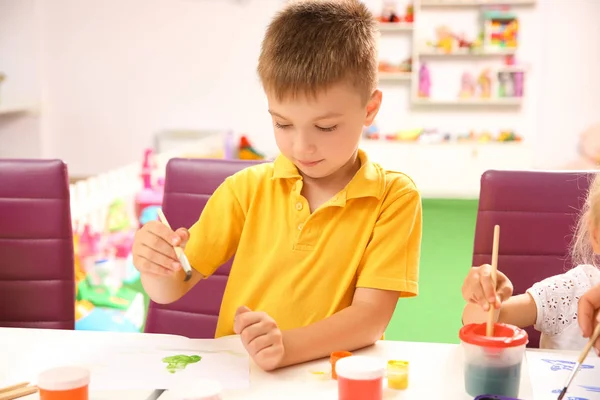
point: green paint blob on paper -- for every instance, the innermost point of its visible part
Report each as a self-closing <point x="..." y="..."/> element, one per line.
<point x="179" y="362"/>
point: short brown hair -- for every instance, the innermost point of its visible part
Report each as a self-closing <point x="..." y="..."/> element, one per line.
<point x="313" y="44"/>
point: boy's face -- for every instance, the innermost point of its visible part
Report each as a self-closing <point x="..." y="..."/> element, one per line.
<point x="321" y="135"/>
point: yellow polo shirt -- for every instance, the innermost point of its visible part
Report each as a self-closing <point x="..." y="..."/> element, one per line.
<point x="300" y="267"/>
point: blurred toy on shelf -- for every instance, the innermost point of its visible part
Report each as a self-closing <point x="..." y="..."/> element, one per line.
<point x="500" y="29"/>
<point x="510" y="84"/>
<point x="445" y="39"/>
<point x="467" y="86"/>
<point x="433" y="136"/>
<point x="410" y="13"/>
<point x="485" y="84"/>
<point x="389" y="13"/>
<point x="424" y="81"/>
<point x="404" y="66"/>
<point x="247" y="151"/>
<point x="371" y="132"/>
<point x="149" y="198"/>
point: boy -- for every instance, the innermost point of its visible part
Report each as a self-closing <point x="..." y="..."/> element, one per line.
<point x="325" y="240"/>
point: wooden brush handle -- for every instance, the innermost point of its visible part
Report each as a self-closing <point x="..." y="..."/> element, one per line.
<point x="13" y="387"/>
<point x="491" y="313"/>
<point x="18" y="393"/>
<point x="590" y="344"/>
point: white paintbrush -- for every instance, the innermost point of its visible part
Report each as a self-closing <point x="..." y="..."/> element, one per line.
<point x="185" y="263"/>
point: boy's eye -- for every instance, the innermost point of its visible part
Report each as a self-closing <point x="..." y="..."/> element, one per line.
<point x="327" y="129"/>
<point x="280" y="126"/>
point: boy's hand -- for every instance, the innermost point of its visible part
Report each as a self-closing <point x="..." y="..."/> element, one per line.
<point x="153" y="251"/>
<point x="261" y="337"/>
<point x="478" y="287"/>
<point x="588" y="313"/>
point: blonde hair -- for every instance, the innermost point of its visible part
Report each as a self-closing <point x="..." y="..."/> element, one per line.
<point x="313" y="44"/>
<point x="582" y="251"/>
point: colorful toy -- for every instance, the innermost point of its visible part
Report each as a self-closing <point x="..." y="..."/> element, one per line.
<point x="424" y="81"/>
<point x="445" y="39"/>
<point x="150" y="196"/>
<point x="467" y="87"/>
<point x="410" y="13"/>
<point x="404" y="66"/>
<point x="510" y="84"/>
<point x="371" y="132"/>
<point x="500" y="29"/>
<point x="247" y="152"/>
<point x="485" y="84"/>
<point x="389" y="13"/>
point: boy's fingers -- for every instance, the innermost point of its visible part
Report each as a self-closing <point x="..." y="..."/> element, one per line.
<point x="240" y="321"/>
<point x="182" y="236"/>
<point x="161" y="230"/>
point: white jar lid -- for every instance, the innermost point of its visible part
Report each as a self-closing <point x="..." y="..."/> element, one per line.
<point x="198" y="389"/>
<point x="360" y="368"/>
<point x="63" y="378"/>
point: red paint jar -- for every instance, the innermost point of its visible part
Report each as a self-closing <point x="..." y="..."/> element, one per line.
<point x="64" y="383"/>
<point x="360" y="378"/>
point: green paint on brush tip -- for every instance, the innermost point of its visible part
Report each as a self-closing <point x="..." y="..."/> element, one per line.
<point x="179" y="362"/>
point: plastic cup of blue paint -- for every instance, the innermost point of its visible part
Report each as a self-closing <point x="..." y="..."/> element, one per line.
<point x="493" y="363"/>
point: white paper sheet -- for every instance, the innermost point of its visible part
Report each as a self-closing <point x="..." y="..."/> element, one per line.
<point x="549" y="373"/>
<point x="128" y="366"/>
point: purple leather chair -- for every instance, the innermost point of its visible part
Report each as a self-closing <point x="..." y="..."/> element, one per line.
<point x="37" y="273"/>
<point x="537" y="212"/>
<point x="188" y="185"/>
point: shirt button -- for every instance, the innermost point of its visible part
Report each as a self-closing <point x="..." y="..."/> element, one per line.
<point x="300" y="226"/>
<point x="298" y="206"/>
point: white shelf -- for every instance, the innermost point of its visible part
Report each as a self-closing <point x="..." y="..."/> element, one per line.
<point x="475" y="3"/>
<point x="395" y="26"/>
<point x="467" y="53"/>
<point x="15" y="108"/>
<point x="395" y="76"/>
<point x="434" y="167"/>
<point x="476" y="101"/>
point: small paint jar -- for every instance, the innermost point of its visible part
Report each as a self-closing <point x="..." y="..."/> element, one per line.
<point x="360" y="378"/>
<point x="200" y="389"/>
<point x="64" y="383"/>
<point x="493" y="363"/>
<point x="333" y="359"/>
<point x="397" y="374"/>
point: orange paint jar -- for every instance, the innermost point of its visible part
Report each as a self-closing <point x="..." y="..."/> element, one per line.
<point x="64" y="383"/>
<point x="360" y="378"/>
<point x="334" y="357"/>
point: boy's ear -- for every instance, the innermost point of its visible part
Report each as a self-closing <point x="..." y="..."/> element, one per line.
<point x="373" y="107"/>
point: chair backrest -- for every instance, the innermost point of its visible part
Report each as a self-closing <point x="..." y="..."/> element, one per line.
<point x="37" y="272"/>
<point x="188" y="185"/>
<point x="537" y="212"/>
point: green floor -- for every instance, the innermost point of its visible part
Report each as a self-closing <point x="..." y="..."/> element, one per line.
<point x="435" y="315"/>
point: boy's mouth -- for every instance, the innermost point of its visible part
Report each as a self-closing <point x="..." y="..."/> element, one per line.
<point x="308" y="163"/>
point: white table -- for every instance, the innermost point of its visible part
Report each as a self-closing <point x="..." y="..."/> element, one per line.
<point x="436" y="370"/>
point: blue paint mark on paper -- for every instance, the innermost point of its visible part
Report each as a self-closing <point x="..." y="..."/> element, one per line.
<point x="563" y="365"/>
<point x="594" y="389"/>
<point x="557" y="391"/>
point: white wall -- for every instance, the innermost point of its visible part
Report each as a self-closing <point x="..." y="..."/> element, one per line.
<point x="19" y="61"/>
<point x="115" y="72"/>
<point x="570" y="92"/>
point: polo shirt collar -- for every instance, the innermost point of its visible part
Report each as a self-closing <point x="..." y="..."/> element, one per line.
<point x="369" y="180"/>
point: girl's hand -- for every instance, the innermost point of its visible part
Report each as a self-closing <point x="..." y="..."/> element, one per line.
<point x="588" y="313"/>
<point x="478" y="287"/>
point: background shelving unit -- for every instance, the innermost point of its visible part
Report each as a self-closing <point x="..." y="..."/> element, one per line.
<point x="434" y="166"/>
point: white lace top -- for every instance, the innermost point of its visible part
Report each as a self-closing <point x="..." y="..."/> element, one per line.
<point x="556" y="299"/>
